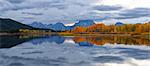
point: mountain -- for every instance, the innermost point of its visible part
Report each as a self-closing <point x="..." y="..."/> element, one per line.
<point x="69" y="27"/>
<point x="61" y="27"/>
<point x="119" y="24"/>
<point x="9" y="25"/>
<point x="38" y="25"/>
<point x="84" y="23"/>
<point x="58" y="27"/>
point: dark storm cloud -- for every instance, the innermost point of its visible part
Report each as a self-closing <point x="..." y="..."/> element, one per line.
<point x="106" y="8"/>
<point x="30" y="13"/>
<point x="134" y="13"/>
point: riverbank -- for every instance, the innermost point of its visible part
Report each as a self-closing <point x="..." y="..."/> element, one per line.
<point x="103" y="34"/>
<point x="45" y="33"/>
<point x="82" y="34"/>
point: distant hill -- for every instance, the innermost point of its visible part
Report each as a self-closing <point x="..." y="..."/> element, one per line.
<point x="9" y="25"/>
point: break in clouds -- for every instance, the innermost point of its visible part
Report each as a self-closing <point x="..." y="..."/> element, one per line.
<point x="69" y="11"/>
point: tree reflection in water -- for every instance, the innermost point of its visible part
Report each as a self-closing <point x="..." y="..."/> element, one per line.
<point x="101" y="40"/>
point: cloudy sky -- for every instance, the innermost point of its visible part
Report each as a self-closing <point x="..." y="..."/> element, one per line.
<point x="69" y="11"/>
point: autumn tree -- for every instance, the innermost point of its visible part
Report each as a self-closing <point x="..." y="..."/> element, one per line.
<point x="126" y="28"/>
<point x="96" y="28"/>
<point x="79" y="29"/>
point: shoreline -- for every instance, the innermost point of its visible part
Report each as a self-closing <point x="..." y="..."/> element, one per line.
<point x="77" y="34"/>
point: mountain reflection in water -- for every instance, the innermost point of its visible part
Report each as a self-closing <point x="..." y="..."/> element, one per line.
<point x="54" y="50"/>
<point x="9" y="41"/>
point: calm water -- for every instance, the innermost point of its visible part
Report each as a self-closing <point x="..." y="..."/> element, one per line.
<point x="54" y="50"/>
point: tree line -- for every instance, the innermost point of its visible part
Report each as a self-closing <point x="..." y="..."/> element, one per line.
<point x="102" y="28"/>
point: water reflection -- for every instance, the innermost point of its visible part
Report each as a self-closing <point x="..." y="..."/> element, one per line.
<point x="50" y="39"/>
<point x="85" y="44"/>
<point x="54" y="50"/>
<point x="13" y="40"/>
<point x="7" y="41"/>
<point x="101" y="40"/>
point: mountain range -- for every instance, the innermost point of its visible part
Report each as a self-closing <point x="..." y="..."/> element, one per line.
<point x="8" y="25"/>
<point x="57" y="27"/>
<point x="61" y="27"/>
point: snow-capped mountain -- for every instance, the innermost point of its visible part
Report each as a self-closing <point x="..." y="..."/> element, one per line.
<point x="61" y="27"/>
<point x="84" y="23"/>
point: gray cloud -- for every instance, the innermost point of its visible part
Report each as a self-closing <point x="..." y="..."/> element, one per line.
<point x="125" y="17"/>
<point x="80" y="4"/>
<point x="30" y="13"/>
<point x="58" y="6"/>
<point x="52" y="11"/>
<point x="134" y="13"/>
<point x="27" y="18"/>
<point x="15" y="1"/>
<point x="106" y="8"/>
<point x="28" y="4"/>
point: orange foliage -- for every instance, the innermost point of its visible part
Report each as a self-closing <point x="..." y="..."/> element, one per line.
<point x="127" y="28"/>
<point x="79" y="30"/>
<point x="96" y="28"/>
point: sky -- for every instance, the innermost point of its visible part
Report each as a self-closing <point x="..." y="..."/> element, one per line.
<point x="70" y="11"/>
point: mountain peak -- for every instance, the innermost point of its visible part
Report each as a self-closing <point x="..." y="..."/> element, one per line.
<point x="61" y="27"/>
<point x="58" y="23"/>
<point x="84" y="23"/>
<point x="58" y="26"/>
<point x="119" y="24"/>
<point x="37" y="25"/>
